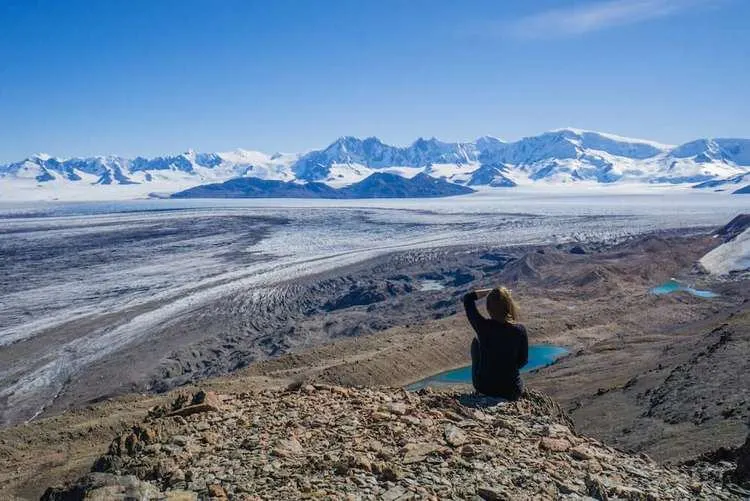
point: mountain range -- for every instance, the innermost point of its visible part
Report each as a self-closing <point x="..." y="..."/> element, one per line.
<point x="565" y="156"/>
<point x="377" y="185"/>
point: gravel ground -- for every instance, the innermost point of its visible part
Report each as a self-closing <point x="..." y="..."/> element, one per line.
<point x="330" y="442"/>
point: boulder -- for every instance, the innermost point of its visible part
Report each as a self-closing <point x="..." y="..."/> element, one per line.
<point x="288" y="447"/>
<point x="454" y="436"/>
<point x="493" y="494"/>
<point x="742" y="472"/>
<point x="203" y="401"/>
<point x="103" y="487"/>
<point x="216" y="491"/>
<point x="554" y="444"/>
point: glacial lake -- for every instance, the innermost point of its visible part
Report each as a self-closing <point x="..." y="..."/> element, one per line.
<point x="672" y="285"/>
<point x="540" y="355"/>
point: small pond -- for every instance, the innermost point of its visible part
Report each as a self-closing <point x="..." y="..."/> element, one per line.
<point x="431" y="285"/>
<point x="673" y="285"/>
<point x="540" y="355"/>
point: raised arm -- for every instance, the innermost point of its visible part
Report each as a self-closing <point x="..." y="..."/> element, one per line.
<point x="472" y="313"/>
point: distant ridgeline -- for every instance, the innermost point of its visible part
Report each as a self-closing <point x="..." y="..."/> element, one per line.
<point x="378" y="185"/>
<point x="566" y="156"/>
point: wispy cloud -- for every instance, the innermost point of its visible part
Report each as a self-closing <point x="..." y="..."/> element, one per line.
<point x="596" y="16"/>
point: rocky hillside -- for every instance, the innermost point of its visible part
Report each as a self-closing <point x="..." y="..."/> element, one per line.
<point x="320" y="441"/>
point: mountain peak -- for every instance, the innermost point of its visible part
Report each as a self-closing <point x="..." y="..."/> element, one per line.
<point x="432" y="141"/>
<point x="489" y="139"/>
<point x="373" y="139"/>
<point x="561" y="155"/>
<point x="40" y="156"/>
<point x="346" y="140"/>
<point x="574" y="131"/>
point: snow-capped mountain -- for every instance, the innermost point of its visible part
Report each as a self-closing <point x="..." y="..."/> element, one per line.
<point x="492" y="174"/>
<point x="556" y="157"/>
<point x="42" y="176"/>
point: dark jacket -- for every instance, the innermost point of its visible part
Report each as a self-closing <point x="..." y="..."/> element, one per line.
<point x="503" y="349"/>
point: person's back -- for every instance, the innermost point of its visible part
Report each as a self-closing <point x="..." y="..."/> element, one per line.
<point x="501" y="346"/>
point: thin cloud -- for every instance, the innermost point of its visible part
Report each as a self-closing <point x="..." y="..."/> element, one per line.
<point x="596" y="16"/>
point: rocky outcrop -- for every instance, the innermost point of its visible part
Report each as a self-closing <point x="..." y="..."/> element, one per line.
<point x="734" y="227"/>
<point x="321" y="441"/>
<point x="107" y="487"/>
<point x="741" y="474"/>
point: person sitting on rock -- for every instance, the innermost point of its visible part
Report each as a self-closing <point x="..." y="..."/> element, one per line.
<point x="501" y="346"/>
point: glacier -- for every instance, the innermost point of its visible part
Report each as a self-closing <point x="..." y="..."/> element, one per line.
<point x="555" y="158"/>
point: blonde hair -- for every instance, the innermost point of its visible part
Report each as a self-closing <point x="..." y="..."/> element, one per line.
<point x="500" y="305"/>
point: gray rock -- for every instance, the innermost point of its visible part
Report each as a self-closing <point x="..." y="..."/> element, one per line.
<point x="454" y="435"/>
<point x="393" y="494"/>
<point x="104" y="487"/>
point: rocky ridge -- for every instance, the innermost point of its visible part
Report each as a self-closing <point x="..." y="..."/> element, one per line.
<point x="377" y="185"/>
<point x="323" y="441"/>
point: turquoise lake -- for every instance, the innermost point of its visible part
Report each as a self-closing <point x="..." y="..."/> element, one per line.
<point x="540" y="355"/>
<point x="673" y="285"/>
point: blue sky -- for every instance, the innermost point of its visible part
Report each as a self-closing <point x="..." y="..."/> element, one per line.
<point x="156" y="77"/>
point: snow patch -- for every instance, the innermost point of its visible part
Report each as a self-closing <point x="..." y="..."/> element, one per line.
<point x="730" y="257"/>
